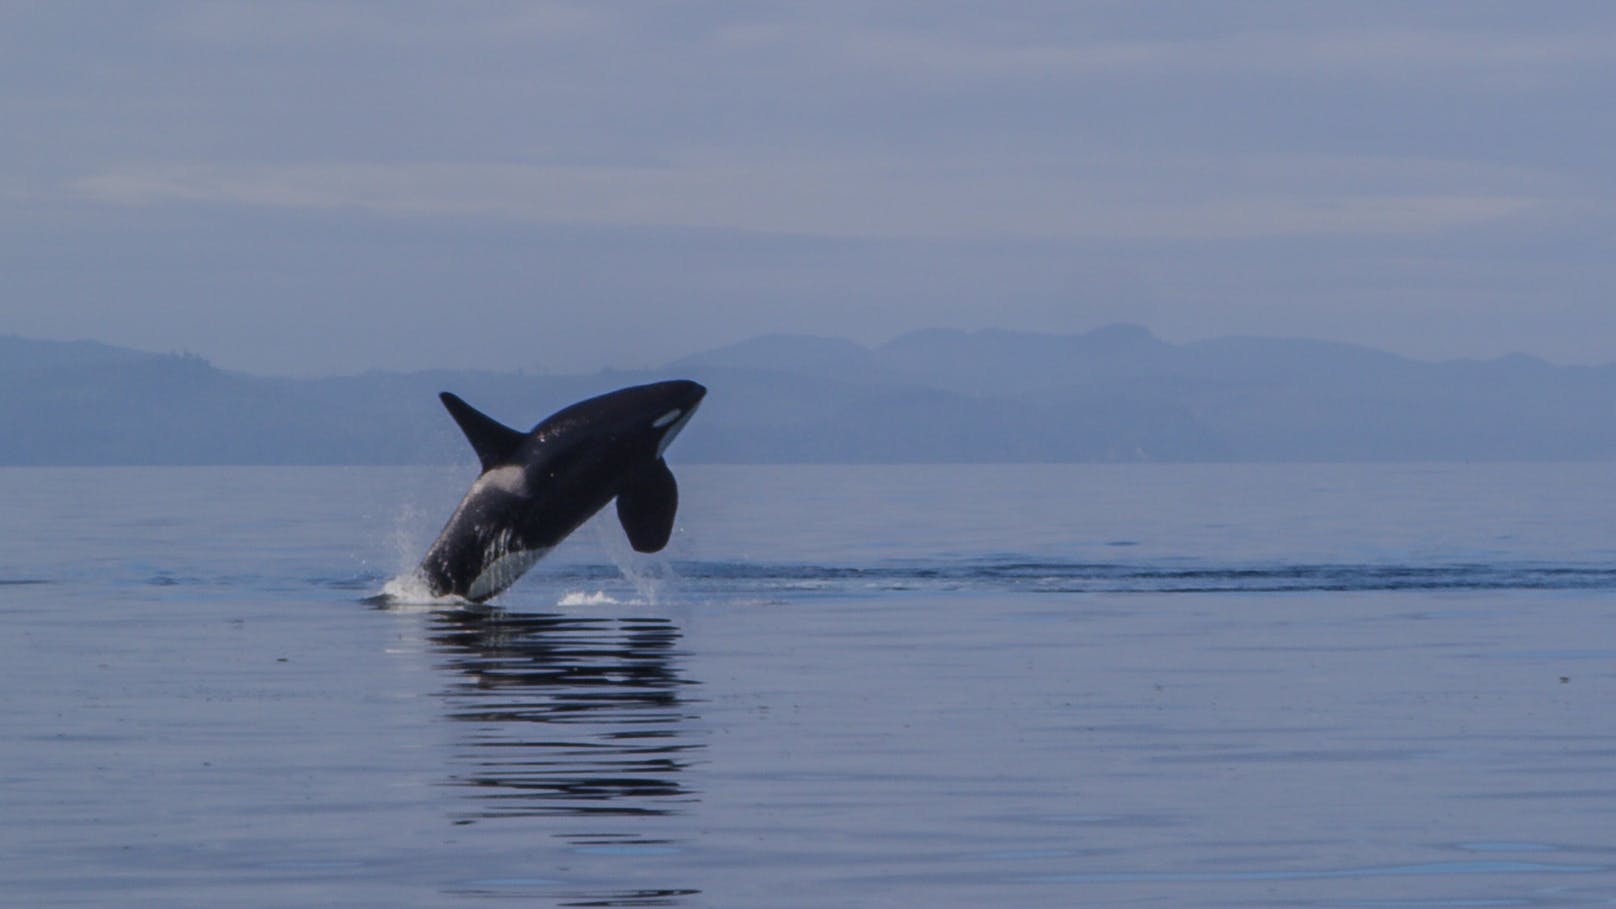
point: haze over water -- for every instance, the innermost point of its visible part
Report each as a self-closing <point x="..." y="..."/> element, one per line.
<point x="1332" y="685"/>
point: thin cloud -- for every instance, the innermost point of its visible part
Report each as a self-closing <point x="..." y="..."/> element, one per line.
<point x="870" y="199"/>
<point x="1373" y="54"/>
<point x="398" y="24"/>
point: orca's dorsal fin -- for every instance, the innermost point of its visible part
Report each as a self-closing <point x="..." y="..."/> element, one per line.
<point x="646" y="505"/>
<point x="494" y="442"/>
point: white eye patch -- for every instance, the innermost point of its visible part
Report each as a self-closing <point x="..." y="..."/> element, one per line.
<point x="667" y="418"/>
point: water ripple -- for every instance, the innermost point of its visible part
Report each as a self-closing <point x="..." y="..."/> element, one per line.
<point x="1165" y="576"/>
<point x="1423" y="868"/>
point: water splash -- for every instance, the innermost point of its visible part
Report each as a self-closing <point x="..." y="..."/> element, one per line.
<point x="598" y="598"/>
<point x="649" y="574"/>
<point x="407" y="540"/>
<point x="412" y="590"/>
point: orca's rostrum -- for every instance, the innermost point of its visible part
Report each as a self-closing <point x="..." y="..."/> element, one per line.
<point x="537" y="487"/>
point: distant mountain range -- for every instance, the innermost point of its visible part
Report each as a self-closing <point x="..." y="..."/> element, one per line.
<point x="1115" y="394"/>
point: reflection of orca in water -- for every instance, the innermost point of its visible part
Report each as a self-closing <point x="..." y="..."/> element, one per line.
<point x="537" y="487"/>
<point x="565" y="716"/>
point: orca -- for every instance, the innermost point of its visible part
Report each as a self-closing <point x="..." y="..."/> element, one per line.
<point x="537" y="487"/>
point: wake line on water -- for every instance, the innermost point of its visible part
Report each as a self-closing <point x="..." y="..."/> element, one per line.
<point x="628" y="584"/>
<point x="1109" y="577"/>
<point x="1299" y="577"/>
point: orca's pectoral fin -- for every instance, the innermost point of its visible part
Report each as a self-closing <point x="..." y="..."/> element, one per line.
<point x="646" y="505"/>
<point x="494" y="442"/>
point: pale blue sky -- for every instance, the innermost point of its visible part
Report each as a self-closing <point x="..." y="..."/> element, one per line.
<point x="328" y="187"/>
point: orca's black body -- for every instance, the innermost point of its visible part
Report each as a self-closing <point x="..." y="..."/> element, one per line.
<point x="538" y="487"/>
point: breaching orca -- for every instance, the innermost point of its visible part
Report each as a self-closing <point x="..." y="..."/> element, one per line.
<point x="537" y="487"/>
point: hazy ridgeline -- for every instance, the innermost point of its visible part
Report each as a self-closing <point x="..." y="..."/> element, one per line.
<point x="1116" y="394"/>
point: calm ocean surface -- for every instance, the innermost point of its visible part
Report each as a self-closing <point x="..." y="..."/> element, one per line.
<point x="1369" y="686"/>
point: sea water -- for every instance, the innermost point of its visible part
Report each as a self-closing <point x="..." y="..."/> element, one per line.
<point x="1222" y="685"/>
